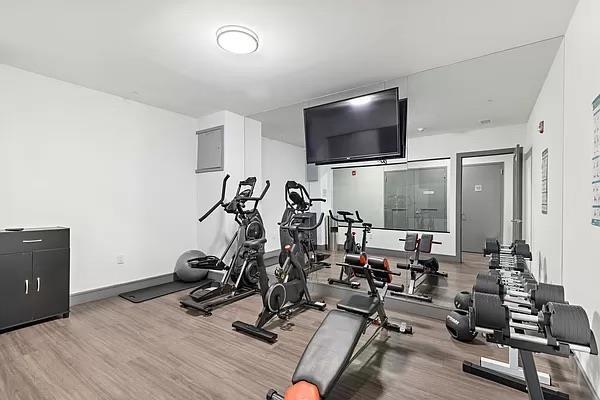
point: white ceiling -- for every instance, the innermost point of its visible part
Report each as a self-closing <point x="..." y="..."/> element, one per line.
<point x="163" y="52"/>
<point x="501" y="87"/>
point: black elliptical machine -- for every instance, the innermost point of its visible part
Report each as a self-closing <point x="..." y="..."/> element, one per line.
<point x="241" y="275"/>
<point x="350" y="246"/>
<point x="290" y="293"/>
<point x="299" y="202"/>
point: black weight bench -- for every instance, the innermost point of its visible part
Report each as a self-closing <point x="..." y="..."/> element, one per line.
<point x="333" y="346"/>
<point x="329" y="352"/>
<point x="360" y="304"/>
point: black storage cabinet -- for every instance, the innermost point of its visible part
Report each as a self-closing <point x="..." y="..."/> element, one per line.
<point x="34" y="275"/>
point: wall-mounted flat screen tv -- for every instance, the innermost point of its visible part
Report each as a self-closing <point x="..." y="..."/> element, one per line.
<point x="367" y="127"/>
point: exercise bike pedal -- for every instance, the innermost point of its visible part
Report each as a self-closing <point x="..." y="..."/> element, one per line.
<point x="319" y="305"/>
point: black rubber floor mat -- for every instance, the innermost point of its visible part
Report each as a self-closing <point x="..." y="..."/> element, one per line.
<point x="153" y="292"/>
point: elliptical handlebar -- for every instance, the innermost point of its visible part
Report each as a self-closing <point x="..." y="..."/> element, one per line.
<point x="290" y="185"/>
<point x="218" y="203"/>
<point x="254" y="199"/>
<point x="238" y="199"/>
<point x="262" y="195"/>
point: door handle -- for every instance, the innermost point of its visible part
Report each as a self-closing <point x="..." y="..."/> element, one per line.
<point x="26" y="286"/>
<point x="33" y="241"/>
<point x="38" y="283"/>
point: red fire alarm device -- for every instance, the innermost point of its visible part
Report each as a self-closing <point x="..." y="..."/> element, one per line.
<point x="353" y="172"/>
<point x="541" y="127"/>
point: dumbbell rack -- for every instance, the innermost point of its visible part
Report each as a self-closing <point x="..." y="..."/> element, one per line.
<point x="530" y="382"/>
<point x="509" y="373"/>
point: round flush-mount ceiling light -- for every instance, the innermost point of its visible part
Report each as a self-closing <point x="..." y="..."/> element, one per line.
<point x="237" y="39"/>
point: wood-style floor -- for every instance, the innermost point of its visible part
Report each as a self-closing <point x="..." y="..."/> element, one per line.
<point x="114" y="349"/>
<point x="461" y="276"/>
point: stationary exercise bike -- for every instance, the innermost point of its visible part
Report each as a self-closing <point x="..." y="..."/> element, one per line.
<point x="290" y="294"/>
<point x="350" y="246"/>
<point x="241" y="275"/>
<point x="298" y="201"/>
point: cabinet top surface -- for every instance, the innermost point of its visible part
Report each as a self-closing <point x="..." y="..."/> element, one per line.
<point x="51" y="228"/>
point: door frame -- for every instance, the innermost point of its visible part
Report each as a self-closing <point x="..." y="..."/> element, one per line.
<point x="528" y="226"/>
<point x="459" y="186"/>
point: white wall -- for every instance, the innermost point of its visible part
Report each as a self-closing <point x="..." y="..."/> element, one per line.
<point x="448" y="144"/>
<point x="361" y="189"/>
<point x="433" y="146"/>
<point x="242" y="158"/>
<point x="547" y="229"/>
<point x="580" y="239"/>
<point x="281" y="162"/>
<point x="253" y="149"/>
<point x="117" y="172"/>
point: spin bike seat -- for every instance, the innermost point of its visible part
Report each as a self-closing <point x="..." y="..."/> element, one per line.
<point x="255" y="244"/>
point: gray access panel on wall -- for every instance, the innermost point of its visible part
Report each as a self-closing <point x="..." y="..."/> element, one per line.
<point x="210" y="149"/>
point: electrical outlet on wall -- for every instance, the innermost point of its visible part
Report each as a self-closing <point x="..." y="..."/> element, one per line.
<point x="120" y="259"/>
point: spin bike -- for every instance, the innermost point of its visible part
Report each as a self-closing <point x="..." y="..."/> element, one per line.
<point x="240" y="277"/>
<point x="290" y="294"/>
<point x="298" y="201"/>
<point x="350" y="246"/>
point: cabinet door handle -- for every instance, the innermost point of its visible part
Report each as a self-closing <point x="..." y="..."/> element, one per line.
<point x="33" y="241"/>
<point x="26" y="286"/>
<point x="38" y="283"/>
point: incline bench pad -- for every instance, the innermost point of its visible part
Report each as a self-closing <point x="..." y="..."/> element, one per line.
<point x="329" y="350"/>
<point x="359" y="304"/>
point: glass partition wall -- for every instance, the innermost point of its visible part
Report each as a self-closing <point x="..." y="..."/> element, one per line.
<point x="472" y="106"/>
<point x="411" y="197"/>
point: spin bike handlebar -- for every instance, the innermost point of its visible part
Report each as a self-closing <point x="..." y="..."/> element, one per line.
<point x="346" y="217"/>
<point x="218" y="203"/>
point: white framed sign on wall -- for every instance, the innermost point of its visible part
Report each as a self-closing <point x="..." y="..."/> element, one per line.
<point x="596" y="163"/>
<point x="545" y="181"/>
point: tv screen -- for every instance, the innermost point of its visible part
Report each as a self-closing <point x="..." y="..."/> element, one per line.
<point x="372" y="126"/>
